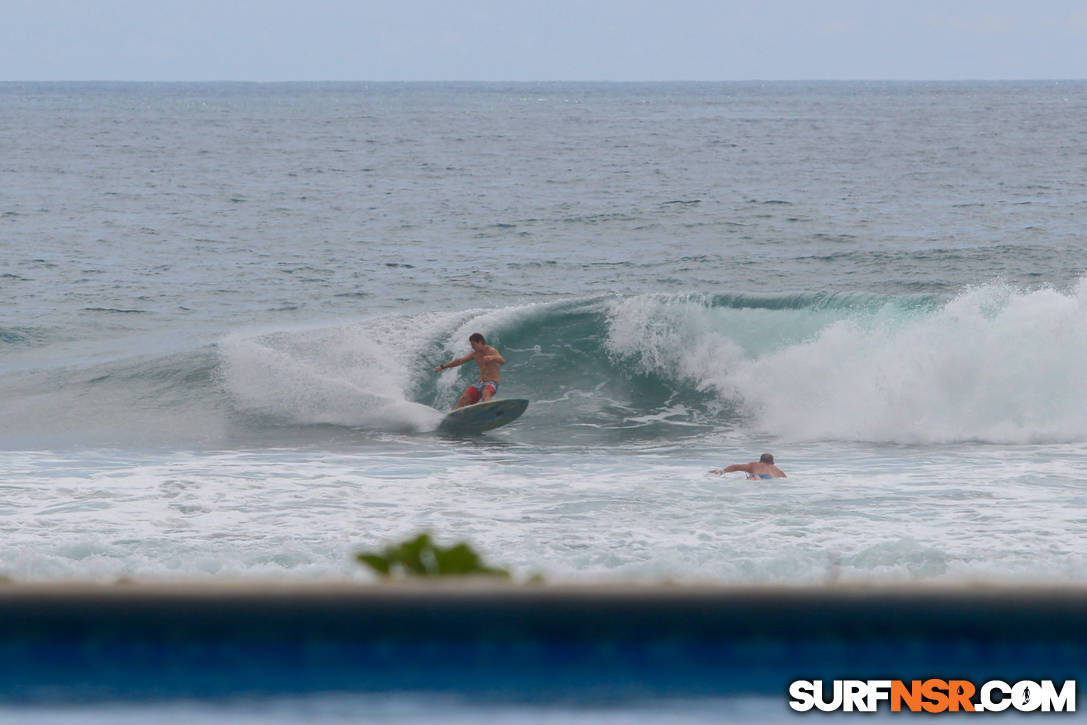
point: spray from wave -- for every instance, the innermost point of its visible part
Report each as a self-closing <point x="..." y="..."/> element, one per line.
<point x="357" y="375"/>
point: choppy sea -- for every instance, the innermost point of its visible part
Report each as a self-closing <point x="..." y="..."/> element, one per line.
<point x="222" y="304"/>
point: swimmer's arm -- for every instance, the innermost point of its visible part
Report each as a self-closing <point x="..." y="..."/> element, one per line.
<point x="745" y="467"/>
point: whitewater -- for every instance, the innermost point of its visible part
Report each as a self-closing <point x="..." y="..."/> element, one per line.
<point x="224" y="302"/>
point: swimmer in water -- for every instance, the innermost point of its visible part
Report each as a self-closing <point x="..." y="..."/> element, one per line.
<point x="763" y="468"/>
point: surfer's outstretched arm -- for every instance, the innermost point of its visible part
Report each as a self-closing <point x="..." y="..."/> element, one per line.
<point x="454" y="363"/>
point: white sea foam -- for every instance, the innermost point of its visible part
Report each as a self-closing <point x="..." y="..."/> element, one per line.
<point x="846" y="513"/>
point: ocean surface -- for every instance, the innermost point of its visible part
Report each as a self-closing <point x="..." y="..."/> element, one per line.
<point x="222" y="305"/>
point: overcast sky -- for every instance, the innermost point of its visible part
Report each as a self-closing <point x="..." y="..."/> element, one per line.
<point x="617" y="40"/>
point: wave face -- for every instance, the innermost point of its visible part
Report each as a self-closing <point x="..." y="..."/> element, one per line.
<point x="991" y="364"/>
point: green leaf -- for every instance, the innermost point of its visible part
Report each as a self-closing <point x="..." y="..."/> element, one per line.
<point x="422" y="557"/>
<point x="378" y="563"/>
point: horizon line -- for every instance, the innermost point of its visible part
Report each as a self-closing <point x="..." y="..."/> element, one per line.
<point x="556" y="81"/>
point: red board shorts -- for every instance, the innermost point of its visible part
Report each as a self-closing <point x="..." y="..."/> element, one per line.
<point x="475" y="390"/>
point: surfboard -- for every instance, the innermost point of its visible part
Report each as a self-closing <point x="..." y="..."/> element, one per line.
<point x="483" y="416"/>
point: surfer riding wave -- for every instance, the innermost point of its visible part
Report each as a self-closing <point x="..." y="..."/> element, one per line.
<point x="489" y="360"/>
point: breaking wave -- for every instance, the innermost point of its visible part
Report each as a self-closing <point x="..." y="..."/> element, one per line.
<point x="994" y="363"/>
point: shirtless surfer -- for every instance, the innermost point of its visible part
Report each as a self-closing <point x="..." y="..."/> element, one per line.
<point x="489" y="361"/>
<point x="762" y="468"/>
